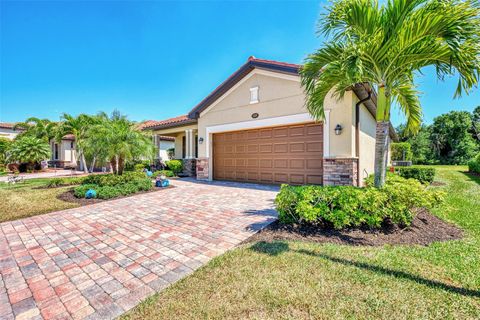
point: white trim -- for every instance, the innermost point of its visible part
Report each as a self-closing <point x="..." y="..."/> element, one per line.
<point x="326" y="134"/>
<point x="254" y="92"/>
<point x="248" y="76"/>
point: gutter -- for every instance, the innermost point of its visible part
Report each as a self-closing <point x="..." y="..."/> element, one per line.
<point x="357" y="132"/>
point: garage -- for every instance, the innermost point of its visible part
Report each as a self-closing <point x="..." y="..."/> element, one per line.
<point x="284" y="154"/>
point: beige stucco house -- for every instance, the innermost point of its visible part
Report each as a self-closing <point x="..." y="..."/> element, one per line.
<point x="7" y="131"/>
<point x="64" y="154"/>
<point x="254" y="127"/>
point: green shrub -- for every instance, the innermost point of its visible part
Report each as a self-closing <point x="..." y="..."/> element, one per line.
<point x="345" y="206"/>
<point x="139" y="167"/>
<point x="474" y="164"/>
<point x="401" y="151"/>
<point x="424" y="175"/>
<point x="55" y="182"/>
<point x="108" y="192"/>
<point x="58" y="182"/>
<point x="144" y="184"/>
<point x="175" y="165"/>
<point x="111" y="179"/>
<point x="167" y="173"/>
<point x="112" y="191"/>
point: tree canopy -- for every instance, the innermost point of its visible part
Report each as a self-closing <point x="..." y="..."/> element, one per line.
<point x="384" y="45"/>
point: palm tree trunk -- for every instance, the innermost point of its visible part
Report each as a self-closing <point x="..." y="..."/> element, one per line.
<point x="381" y="151"/>
<point x="84" y="162"/>
<point x="112" y="165"/>
<point x="382" y="136"/>
<point x="121" y="165"/>
<point x="92" y="166"/>
<point x="116" y="165"/>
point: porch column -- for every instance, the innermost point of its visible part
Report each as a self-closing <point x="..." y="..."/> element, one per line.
<point x="189" y="151"/>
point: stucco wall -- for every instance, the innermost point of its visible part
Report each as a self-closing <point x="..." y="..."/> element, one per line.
<point x="67" y="152"/>
<point x="8" y="133"/>
<point x="342" y="113"/>
<point x="367" y="143"/>
<point x="277" y="97"/>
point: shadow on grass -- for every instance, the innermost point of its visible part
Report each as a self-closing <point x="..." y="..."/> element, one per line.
<point x="278" y="247"/>
<point x="471" y="176"/>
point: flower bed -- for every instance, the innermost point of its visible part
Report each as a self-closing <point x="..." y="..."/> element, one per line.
<point x="108" y="186"/>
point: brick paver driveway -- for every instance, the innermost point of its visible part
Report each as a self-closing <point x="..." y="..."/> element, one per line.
<point x="99" y="261"/>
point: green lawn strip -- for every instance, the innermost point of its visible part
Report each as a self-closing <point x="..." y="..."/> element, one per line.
<point x="29" y="198"/>
<point x="299" y="280"/>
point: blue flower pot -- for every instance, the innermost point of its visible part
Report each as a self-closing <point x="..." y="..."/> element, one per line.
<point x="162" y="183"/>
<point x="90" y="194"/>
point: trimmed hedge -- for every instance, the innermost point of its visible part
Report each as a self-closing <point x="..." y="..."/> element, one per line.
<point x="424" y="175"/>
<point x="175" y="165"/>
<point x="345" y="206"/>
<point x="474" y="165"/>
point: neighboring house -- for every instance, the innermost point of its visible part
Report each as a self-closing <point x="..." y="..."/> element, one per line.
<point x="254" y="127"/>
<point x="6" y="130"/>
<point x="64" y="153"/>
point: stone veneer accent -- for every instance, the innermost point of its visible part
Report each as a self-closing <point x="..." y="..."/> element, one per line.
<point x="340" y="171"/>
<point x="202" y="169"/>
<point x="189" y="167"/>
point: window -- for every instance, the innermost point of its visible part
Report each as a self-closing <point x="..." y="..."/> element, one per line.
<point x="254" y="94"/>
<point x="184" y="143"/>
<point x="55" y="148"/>
<point x="71" y="145"/>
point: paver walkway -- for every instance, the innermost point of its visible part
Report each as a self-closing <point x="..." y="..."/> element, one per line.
<point x="101" y="260"/>
<point x="49" y="174"/>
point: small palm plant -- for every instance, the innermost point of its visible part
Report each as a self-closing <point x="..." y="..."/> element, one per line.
<point x="385" y="45"/>
<point x="30" y="150"/>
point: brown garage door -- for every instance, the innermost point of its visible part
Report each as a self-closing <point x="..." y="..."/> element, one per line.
<point x="287" y="154"/>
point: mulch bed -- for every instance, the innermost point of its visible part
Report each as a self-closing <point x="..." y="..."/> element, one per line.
<point x="69" y="196"/>
<point x="425" y="229"/>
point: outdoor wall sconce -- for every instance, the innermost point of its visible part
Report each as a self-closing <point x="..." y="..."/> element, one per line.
<point x="338" y="129"/>
<point x="200" y="140"/>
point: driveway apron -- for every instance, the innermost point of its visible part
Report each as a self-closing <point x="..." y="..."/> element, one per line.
<point x="99" y="261"/>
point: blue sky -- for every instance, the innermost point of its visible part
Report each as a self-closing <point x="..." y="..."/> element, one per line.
<point x="154" y="60"/>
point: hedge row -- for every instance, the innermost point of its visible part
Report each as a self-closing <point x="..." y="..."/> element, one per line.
<point x="342" y="207"/>
<point x="424" y="175"/>
<point x="474" y="165"/>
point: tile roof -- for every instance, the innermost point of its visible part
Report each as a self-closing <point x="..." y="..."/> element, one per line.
<point x="172" y="122"/>
<point x="68" y="137"/>
<point x="9" y="125"/>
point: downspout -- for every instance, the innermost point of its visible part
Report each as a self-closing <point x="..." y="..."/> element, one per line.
<point x="357" y="133"/>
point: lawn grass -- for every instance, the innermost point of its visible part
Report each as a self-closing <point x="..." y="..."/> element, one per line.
<point x="27" y="199"/>
<point x="299" y="280"/>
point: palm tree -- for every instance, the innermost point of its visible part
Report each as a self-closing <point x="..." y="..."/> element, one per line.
<point x="384" y="45"/>
<point x="40" y="128"/>
<point x="77" y="126"/>
<point x="122" y="140"/>
<point x="29" y="149"/>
